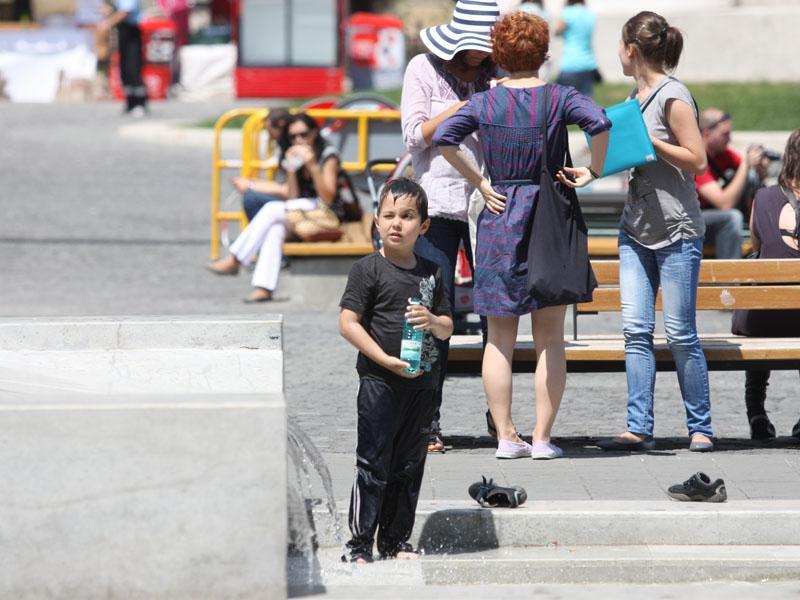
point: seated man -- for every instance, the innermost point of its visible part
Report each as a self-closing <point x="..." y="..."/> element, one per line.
<point x="257" y="192"/>
<point x="727" y="186"/>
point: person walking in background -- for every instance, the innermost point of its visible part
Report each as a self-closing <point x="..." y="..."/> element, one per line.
<point x="312" y="168"/>
<point x="661" y="238"/>
<point x="125" y="17"/>
<point x="775" y="232"/>
<point x="394" y="406"/>
<point x="436" y="84"/>
<point x="511" y="122"/>
<point x="727" y="185"/>
<point x="577" y="67"/>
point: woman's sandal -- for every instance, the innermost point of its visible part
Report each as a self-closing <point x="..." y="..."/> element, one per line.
<point x="487" y="494"/>
<point x="436" y="445"/>
<point x="258" y="295"/>
<point x="217" y="267"/>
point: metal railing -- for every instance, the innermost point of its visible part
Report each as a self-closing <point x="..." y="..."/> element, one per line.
<point x="252" y="164"/>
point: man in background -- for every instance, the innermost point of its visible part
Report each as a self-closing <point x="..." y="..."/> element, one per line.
<point x="727" y="186"/>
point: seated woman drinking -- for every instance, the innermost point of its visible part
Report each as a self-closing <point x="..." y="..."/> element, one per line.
<point x="312" y="168"/>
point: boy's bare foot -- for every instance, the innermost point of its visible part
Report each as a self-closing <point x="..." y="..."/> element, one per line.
<point x="405" y="552"/>
<point x="435" y="444"/>
<point x="224" y="266"/>
<point x="359" y="557"/>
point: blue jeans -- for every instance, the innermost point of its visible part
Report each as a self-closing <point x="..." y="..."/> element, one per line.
<point x="675" y="269"/>
<point x="440" y="244"/>
<point x="724" y="230"/>
<point x="253" y="201"/>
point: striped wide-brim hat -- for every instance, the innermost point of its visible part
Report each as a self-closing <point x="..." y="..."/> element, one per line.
<point x="469" y="29"/>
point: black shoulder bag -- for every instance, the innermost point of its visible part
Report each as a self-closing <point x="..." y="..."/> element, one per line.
<point x="559" y="271"/>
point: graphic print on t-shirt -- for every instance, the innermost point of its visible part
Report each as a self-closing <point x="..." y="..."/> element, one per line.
<point x="430" y="351"/>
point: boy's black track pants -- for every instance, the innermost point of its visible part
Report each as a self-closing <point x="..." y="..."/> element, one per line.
<point x="393" y="429"/>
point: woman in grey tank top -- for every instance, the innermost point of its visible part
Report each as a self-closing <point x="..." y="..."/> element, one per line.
<point x="661" y="238"/>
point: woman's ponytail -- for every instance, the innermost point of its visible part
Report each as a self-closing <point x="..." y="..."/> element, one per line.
<point x="658" y="43"/>
<point x="673" y="46"/>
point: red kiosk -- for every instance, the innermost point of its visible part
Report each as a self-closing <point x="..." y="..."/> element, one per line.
<point x="288" y="48"/>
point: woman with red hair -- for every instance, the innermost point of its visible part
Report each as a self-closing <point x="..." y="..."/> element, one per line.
<point x="512" y="122"/>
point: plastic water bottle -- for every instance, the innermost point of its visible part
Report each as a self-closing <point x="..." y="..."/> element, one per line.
<point x="411" y="345"/>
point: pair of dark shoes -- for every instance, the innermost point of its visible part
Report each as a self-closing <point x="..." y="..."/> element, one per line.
<point x="761" y="428"/>
<point x="699" y="488"/>
<point x="489" y="495"/>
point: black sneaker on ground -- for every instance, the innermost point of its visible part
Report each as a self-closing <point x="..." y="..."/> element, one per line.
<point x="487" y="494"/>
<point x="699" y="488"/>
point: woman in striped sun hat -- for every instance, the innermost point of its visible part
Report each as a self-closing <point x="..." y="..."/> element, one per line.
<point x="436" y="84"/>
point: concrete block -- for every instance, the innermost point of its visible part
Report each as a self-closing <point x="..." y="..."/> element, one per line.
<point x="143" y="458"/>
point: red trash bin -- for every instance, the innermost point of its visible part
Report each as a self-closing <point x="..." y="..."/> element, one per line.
<point x="158" y="47"/>
<point x="375" y="51"/>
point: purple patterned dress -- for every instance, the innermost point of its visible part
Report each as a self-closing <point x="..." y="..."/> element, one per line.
<point x="508" y="120"/>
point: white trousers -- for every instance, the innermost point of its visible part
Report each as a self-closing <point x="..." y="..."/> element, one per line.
<point x="264" y="236"/>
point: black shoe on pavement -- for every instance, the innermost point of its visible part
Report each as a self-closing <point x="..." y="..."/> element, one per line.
<point x="761" y="428"/>
<point x="487" y="494"/>
<point x="612" y="445"/>
<point x="699" y="488"/>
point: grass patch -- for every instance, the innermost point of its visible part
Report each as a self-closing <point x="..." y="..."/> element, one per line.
<point x="754" y="106"/>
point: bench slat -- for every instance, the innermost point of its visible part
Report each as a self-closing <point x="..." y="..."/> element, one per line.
<point x="326" y="249"/>
<point x="768" y="297"/>
<point x="717" y="348"/>
<point x="720" y="271"/>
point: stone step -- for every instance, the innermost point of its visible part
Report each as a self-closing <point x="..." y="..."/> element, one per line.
<point x="456" y="526"/>
<point x="647" y="564"/>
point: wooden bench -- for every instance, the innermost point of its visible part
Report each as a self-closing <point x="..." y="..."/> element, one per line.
<point x="599" y="247"/>
<point x="724" y="285"/>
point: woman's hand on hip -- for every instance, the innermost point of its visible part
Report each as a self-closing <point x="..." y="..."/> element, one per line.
<point x="574" y="177"/>
<point x="495" y="203"/>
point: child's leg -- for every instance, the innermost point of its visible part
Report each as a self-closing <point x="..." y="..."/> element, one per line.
<point x="378" y="415"/>
<point x="406" y="470"/>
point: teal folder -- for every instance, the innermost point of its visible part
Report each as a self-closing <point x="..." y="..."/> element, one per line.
<point x="629" y="142"/>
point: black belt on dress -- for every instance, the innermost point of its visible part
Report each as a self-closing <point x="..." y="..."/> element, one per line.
<point x="515" y="182"/>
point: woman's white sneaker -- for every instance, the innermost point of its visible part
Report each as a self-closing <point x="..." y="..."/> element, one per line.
<point x="508" y="449"/>
<point x="545" y="451"/>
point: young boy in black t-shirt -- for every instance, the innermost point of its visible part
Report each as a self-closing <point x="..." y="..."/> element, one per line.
<point x="394" y="408"/>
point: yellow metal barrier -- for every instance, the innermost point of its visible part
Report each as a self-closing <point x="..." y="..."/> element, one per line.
<point x="251" y="164"/>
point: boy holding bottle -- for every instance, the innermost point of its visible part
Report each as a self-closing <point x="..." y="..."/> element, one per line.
<point x="395" y="401"/>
